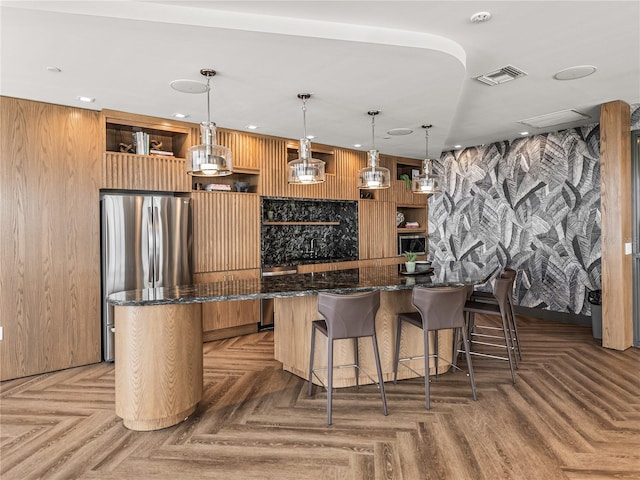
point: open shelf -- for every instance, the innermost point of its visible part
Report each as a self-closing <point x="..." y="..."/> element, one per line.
<point x="300" y="223"/>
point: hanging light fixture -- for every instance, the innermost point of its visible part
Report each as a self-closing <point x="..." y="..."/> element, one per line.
<point x="209" y="159"/>
<point x="305" y="170"/>
<point x="426" y="183"/>
<point x="374" y="177"/>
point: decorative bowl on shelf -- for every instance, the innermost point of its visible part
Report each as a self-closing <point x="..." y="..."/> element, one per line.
<point x="422" y="265"/>
<point x="241" y="186"/>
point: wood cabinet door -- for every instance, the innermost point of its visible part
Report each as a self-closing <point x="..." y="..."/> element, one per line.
<point x="228" y="314"/>
<point x="226" y="231"/>
<point x="50" y="237"/>
<point x="377" y="229"/>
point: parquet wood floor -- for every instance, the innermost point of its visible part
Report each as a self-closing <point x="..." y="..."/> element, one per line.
<point x="574" y="413"/>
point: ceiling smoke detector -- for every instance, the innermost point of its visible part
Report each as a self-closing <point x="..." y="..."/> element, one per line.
<point x="502" y="75"/>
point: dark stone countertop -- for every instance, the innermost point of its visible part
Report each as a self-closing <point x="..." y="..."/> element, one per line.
<point x="341" y="281"/>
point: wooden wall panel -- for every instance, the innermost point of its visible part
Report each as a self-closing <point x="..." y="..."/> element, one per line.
<point x="248" y="150"/>
<point x="615" y="204"/>
<point x="49" y="240"/>
<point x="141" y="172"/>
<point x="377" y="229"/>
<point x="226" y="227"/>
<point x="338" y="186"/>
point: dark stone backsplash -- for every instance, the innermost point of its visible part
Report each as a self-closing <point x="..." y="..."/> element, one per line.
<point x="292" y="244"/>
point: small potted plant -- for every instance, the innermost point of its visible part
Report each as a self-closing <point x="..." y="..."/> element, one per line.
<point x="410" y="264"/>
<point x="407" y="181"/>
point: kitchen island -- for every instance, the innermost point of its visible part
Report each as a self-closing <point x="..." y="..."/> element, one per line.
<point x="159" y="333"/>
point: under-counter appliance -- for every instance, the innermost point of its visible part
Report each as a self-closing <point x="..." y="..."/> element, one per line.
<point x="412" y="243"/>
<point x="145" y="243"/>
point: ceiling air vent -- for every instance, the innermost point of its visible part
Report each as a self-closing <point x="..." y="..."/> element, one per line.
<point x="505" y="74"/>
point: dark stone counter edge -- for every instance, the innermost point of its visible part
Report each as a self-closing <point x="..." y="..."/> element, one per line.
<point x="254" y="296"/>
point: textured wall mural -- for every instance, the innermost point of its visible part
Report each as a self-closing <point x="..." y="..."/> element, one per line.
<point x="533" y="204"/>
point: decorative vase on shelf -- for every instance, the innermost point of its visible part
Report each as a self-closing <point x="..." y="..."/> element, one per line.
<point x="410" y="266"/>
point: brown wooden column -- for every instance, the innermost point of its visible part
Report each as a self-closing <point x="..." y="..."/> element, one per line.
<point x="615" y="204"/>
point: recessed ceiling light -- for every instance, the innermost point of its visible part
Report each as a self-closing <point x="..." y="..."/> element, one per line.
<point x="53" y="69"/>
<point x="86" y="99"/>
<point x="524" y="133"/>
<point x="180" y="115"/>
<point x="457" y="146"/>
<point x="189" y="86"/>
<point x="480" y="17"/>
<point x="311" y="137"/>
<point x="573" y="73"/>
<point x="400" y="131"/>
<point x="357" y="145"/>
<point x="252" y="127"/>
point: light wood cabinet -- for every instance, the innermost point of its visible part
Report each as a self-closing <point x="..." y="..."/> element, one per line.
<point x="377" y="229"/>
<point x="129" y="171"/>
<point x="226" y="231"/>
<point x="229" y="318"/>
<point x="226" y="247"/>
<point x="50" y="237"/>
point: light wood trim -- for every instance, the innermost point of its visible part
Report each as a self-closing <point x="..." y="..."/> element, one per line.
<point x="226" y="227"/>
<point x="327" y="267"/>
<point x="159" y="367"/>
<point x="377" y="229"/>
<point x="144" y="172"/>
<point x="230" y="275"/>
<point x="615" y="204"/>
<point x="50" y="270"/>
<point x="292" y="341"/>
<point x="147" y="122"/>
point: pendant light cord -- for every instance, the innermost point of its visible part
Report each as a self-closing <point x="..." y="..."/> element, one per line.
<point x="304" y="117"/>
<point x="208" y="101"/>
<point x="373" y="138"/>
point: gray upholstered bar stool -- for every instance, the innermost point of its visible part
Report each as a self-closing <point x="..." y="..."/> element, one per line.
<point x="438" y="309"/>
<point x="495" y="337"/>
<point x="480" y="296"/>
<point x="346" y="316"/>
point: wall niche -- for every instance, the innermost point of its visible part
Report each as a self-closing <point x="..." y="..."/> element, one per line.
<point x="297" y="232"/>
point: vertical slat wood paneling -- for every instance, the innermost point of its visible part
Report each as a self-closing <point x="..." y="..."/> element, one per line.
<point x="338" y="186"/>
<point x="226" y="231"/>
<point x="50" y="274"/>
<point x="247" y="149"/>
<point x="377" y="229"/>
<point x="142" y="172"/>
<point x="615" y="202"/>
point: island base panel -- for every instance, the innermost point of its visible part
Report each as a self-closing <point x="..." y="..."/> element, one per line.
<point x="158" y="364"/>
<point x="292" y="336"/>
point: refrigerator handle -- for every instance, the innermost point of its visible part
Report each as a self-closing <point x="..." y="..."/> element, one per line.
<point x="151" y="244"/>
<point x="156" y="265"/>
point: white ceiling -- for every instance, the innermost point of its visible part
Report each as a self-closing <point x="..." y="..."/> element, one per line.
<point x="414" y="61"/>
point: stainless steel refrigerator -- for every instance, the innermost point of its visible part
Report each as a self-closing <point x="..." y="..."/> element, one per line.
<point x="146" y="243"/>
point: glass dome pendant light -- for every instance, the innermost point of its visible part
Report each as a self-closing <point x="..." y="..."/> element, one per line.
<point x="426" y="183"/>
<point x="209" y="159"/>
<point x="374" y="177"/>
<point x="305" y="170"/>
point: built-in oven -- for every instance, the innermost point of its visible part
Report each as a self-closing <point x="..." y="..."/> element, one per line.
<point x="412" y="243"/>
